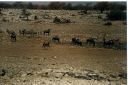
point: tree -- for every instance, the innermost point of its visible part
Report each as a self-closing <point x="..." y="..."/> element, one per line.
<point x="56" y="5"/>
<point x="115" y="6"/>
<point x="30" y="5"/>
<point x="0" y="11"/>
<point x="102" y="6"/>
<point x="78" y="7"/>
<point x="4" y="5"/>
<point x="24" y="11"/>
<point x="18" y="5"/>
<point x="68" y="6"/>
<point x="116" y="15"/>
<point x="88" y="6"/>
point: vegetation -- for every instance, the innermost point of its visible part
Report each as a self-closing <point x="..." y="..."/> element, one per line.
<point x="116" y="9"/>
<point x="0" y="11"/>
<point x="66" y="6"/>
<point x="56" y="20"/>
<point x="116" y="15"/>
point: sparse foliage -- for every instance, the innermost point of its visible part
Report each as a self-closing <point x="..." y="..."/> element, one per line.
<point x="67" y="6"/>
<point x="116" y="15"/>
<point x="35" y="17"/>
<point x="102" y="6"/>
<point x="108" y="23"/>
<point x="56" y="20"/>
<point x="56" y="5"/>
<point x="0" y="11"/>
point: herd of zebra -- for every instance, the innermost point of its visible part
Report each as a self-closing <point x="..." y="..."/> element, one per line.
<point x="112" y="43"/>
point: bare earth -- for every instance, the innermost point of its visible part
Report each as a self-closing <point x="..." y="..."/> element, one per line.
<point x="26" y="63"/>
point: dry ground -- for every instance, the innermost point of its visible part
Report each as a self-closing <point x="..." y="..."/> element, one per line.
<point x="26" y="63"/>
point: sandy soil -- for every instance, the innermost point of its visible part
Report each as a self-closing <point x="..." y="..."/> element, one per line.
<point x="25" y="62"/>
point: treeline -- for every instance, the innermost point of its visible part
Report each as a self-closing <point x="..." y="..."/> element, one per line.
<point x="66" y="6"/>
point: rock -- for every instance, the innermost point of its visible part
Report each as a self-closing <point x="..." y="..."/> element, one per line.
<point x="94" y="76"/>
<point x="66" y="75"/>
<point x="46" y="74"/>
<point x="71" y="69"/>
<point x="113" y="76"/>
<point x="53" y="64"/>
<point x="54" y="57"/>
<point x="29" y="74"/>
<point x="2" y="72"/>
<point x="58" y="75"/>
<point x="23" y="75"/>
<point x="123" y="75"/>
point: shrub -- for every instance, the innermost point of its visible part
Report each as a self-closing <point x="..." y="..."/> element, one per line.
<point x="125" y="23"/>
<point x="108" y="23"/>
<point x="56" y="20"/>
<point x="116" y="15"/>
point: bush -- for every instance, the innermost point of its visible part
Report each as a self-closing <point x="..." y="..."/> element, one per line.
<point x="125" y="23"/>
<point x="84" y="11"/>
<point x="116" y="15"/>
<point x="35" y="17"/>
<point x="108" y="23"/>
<point x="56" y="20"/>
<point x="61" y="20"/>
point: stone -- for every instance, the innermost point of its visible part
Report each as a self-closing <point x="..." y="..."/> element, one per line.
<point x="2" y="72"/>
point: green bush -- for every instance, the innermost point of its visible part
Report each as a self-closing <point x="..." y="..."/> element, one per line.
<point x="116" y="15"/>
<point x="56" y="20"/>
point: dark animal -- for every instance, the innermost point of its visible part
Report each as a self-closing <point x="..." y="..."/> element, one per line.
<point x="47" y="31"/>
<point x="56" y="38"/>
<point x="22" y="32"/>
<point x="13" y="36"/>
<point x="113" y="43"/>
<point x="46" y="44"/>
<point x="64" y="20"/>
<point x="27" y="32"/>
<point x="91" y="41"/>
<point x="76" y="41"/>
<point x="117" y="43"/>
<point x="108" y="43"/>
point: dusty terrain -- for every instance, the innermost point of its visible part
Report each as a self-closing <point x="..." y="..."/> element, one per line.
<point x="25" y="62"/>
